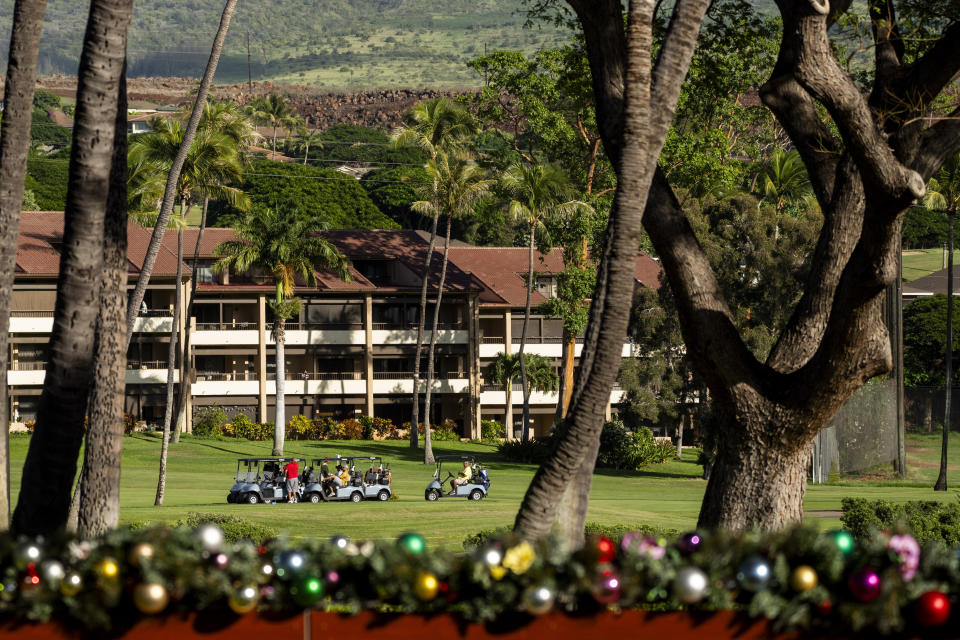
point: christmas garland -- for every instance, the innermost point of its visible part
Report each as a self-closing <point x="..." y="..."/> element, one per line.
<point x="799" y="579"/>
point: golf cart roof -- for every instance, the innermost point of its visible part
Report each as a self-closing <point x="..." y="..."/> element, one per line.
<point x="346" y="458"/>
<point x="251" y="460"/>
<point x="465" y="458"/>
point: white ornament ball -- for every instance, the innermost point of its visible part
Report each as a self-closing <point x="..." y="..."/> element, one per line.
<point x="690" y="585"/>
<point x="211" y="537"/>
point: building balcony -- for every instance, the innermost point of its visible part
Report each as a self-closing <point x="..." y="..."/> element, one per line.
<point x="548" y="346"/>
<point x="149" y="321"/>
<point x="33" y="373"/>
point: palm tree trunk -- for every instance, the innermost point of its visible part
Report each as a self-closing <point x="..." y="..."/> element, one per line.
<point x="427" y="448"/>
<point x="170" y="191"/>
<point x="525" y="426"/>
<point x="51" y="463"/>
<point x="98" y="510"/>
<point x="415" y="420"/>
<point x="567" y="361"/>
<point x="279" y="335"/>
<point x="507" y="414"/>
<point x="306" y="152"/>
<point x="187" y="382"/>
<point x="168" y="417"/>
<point x="941" y="484"/>
<point x="14" y="142"/>
<point x="274" y="158"/>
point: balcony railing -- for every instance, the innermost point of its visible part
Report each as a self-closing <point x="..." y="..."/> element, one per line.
<point x="408" y="375"/>
<point x="31" y="314"/>
<point x="320" y="326"/>
<point x="210" y="376"/>
<point x="226" y="326"/>
<point x="28" y="366"/>
<point x="319" y="375"/>
<point x="392" y="326"/>
<point x="146" y="364"/>
<point x="530" y="339"/>
<point x="155" y="313"/>
<point x="501" y="387"/>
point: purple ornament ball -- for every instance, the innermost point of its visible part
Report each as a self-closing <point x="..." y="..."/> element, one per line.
<point x="865" y="584"/>
<point x="689" y="543"/>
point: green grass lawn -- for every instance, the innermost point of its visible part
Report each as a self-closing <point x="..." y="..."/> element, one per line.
<point x="668" y="495"/>
<point x="921" y="262"/>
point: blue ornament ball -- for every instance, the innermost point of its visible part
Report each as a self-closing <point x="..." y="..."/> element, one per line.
<point x="754" y="573"/>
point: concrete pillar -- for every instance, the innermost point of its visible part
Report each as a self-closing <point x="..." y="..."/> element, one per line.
<point x="472" y="419"/>
<point x="262" y="355"/>
<point x="368" y="349"/>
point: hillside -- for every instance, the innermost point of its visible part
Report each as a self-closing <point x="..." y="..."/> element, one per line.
<point x="358" y="44"/>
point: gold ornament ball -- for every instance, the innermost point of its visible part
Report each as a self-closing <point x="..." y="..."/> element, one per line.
<point x="71" y="585"/>
<point x="150" y="598"/>
<point x="140" y="554"/>
<point x="426" y="586"/>
<point x="108" y="569"/>
<point x="804" y="578"/>
<point x="243" y="600"/>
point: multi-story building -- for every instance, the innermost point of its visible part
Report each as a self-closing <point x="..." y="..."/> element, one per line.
<point x="350" y="352"/>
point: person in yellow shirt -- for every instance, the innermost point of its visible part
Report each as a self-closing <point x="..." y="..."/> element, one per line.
<point x="462" y="478"/>
<point x="344" y="476"/>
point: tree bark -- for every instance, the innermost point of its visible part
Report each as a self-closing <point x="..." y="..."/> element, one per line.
<point x="168" y="412"/>
<point x="415" y="420"/>
<point x="51" y="463"/>
<point x="99" y="503"/>
<point x="279" y="418"/>
<point x="170" y="191"/>
<point x="427" y="447"/>
<point x="14" y="143"/>
<point x="524" y="383"/>
<point x="941" y="484"/>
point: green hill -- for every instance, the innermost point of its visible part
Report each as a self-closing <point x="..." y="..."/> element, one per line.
<point x="334" y="43"/>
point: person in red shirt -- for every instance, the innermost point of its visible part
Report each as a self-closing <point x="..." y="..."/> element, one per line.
<point x="292" y="472"/>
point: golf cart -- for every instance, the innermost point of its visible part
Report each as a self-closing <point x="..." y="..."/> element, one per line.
<point x="374" y="483"/>
<point x="474" y="489"/>
<point x="259" y="480"/>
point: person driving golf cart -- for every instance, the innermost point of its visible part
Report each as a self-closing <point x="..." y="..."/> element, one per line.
<point x="462" y="478"/>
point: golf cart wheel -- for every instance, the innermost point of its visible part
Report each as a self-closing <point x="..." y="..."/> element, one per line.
<point x="476" y="494"/>
<point x="356" y="496"/>
<point x="251" y="498"/>
<point x="314" y="498"/>
<point x="383" y="496"/>
<point x="432" y="495"/>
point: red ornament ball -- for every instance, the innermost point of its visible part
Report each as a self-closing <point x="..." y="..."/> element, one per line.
<point x="932" y="609"/>
<point x="825" y="608"/>
<point x="606" y="550"/>
<point x="865" y="585"/>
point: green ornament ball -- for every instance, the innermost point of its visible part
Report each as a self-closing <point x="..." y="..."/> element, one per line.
<point x="244" y="599"/>
<point x="412" y="543"/>
<point x="307" y="592"/>
<point x="71" y="585"/>
<point x="843" y="540"/>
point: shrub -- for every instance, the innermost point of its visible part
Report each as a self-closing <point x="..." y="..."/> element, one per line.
<point x="300" y="428"/>
<point x="243" y="427"/>
<point x="533" y="451"/>
<point x="614" y="532"/>
<point x="351" y="429"/>
<point x="325" y="427"/>
<point x="129" y="423"/>
<point x="209" y="422"/>
<point x="384" y="428"/>
<point x="622" y="449"/>
<point x="446" y="431"/>
<point x="367" y="423"/>
<point x="492" y="431"/>
<point x="234" y="528"/>
<point x="929" y="521"/>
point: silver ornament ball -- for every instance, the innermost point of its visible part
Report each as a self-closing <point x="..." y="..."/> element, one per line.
<point x="538" y="599"/>
<point x="690" y="585"/>
<point x="211" y="537"/>
<point x="26" y="553"/>
<point x="53" y="572"/>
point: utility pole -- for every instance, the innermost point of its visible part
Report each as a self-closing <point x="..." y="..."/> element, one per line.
<point x="249" y="69"/>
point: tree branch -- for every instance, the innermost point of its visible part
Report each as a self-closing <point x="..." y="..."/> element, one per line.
<point x="819" y="72"/>
<point x="938" y="143"/>
<point x="888" y="46"/>
<point x="922" y="81"/>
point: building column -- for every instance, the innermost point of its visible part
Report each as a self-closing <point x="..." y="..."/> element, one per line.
<point x="508" y="349"/>
<point x="472" y="421"/>
<point x="368" y="349"/>
<point x="262" y="355"/>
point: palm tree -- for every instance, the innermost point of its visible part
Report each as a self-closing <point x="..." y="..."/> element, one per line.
<point x="943" y="194"/>
<point x="783" y="181"/>
<point x="178" y="222"/>
<point x="14" y="144"/>
<point x="170" y="190"/>
<point x="458" y="184"/>
<point x="282" y="243"/>
<point x="433" y="126"/>
<point x="306" y="140"/>
<point x="50" y="467"/>
<point x="273" y="111"/>
<point x="538" y="192"/>
<point x="541" y="375"/>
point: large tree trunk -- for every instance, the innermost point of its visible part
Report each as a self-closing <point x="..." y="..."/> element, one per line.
<point x="427" y="447"/>
<point x="170" y="191"/>
<point x="279" y="419"/>
<point x="941" y="484"/>
<point x="168" y="412"/>
<point x="187" y="383"/>
<point x="567" y="364"/>
<point x="634" y="119"/>
<point x="524" y="383"/>
<point x="415" y="420"/>
<point x="99" y="502"/>
<point x="14" y="143"/>
<point x="51" y="463"/>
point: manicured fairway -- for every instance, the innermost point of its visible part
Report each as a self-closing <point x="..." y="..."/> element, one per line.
<point x="668" y="495"/>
